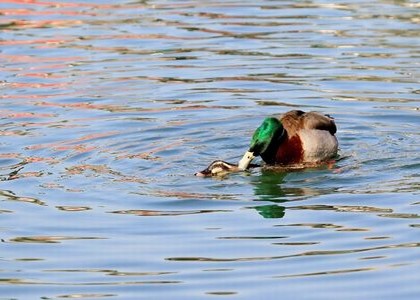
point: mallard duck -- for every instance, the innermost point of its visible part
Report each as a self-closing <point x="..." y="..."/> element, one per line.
<point x="295" y="137"/>
<point x="221" y="168"/>
<point x="218" y="168"/>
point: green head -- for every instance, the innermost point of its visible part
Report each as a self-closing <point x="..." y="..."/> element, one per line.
<point x="264" y="134"/>
<point x="269" y="130"/>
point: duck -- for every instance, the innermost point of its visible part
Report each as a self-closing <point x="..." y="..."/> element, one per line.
<point x="218" y="168"/>
<point x="221" y="168"/>
<point x="295" y="137"/>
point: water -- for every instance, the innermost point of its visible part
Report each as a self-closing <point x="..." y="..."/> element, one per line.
<point x="109" y="107"/>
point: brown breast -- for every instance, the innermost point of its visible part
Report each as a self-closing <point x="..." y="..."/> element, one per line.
<point x="290" y="151"/>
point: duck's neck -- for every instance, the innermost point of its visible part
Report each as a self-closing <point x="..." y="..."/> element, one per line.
<point x="269" y="156"/>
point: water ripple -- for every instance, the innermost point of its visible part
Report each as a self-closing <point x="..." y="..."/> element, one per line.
<point x="309" y="253"/>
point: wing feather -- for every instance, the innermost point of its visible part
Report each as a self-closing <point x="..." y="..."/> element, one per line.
<point x="295" y="120"/>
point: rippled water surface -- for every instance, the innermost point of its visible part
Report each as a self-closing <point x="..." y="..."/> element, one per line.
<point x="109" y="107"/>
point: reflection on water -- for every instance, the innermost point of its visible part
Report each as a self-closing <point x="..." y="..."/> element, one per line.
<point x="270" y="211"/>
<point x="268" y="186"/>
<point x="46" y="239"/>
<point x="108" y="108"/>
<point x="271" y="185"/>
<point x="309" y="253"/>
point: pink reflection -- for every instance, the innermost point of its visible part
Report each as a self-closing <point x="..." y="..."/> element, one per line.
<point x="41" y="75"/>
<point x="73" y="144"/>
<point x="55" y="4"/>
<point x="64" y="61"/>
<point x="54" y="42"/>
<point x="17" y="115"/>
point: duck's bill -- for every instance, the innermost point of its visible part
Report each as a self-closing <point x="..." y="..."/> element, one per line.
<point x="204" y="173"/>
<point x="246" y="160"/>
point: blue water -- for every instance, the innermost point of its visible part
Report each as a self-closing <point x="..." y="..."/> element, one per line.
<point x="108" y="108"/>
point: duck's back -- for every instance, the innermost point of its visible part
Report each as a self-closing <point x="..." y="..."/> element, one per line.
<point x="296" y="120"/>
<point x="310" y="138"/>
